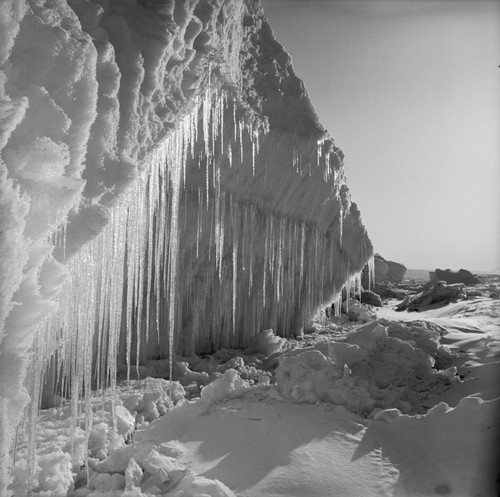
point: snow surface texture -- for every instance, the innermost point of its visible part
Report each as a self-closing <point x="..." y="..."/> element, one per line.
<point x="161" y="169"/>
<point x="471" y="428"/>
<point x="375" y="367"/>
<point x="241" y="431"/>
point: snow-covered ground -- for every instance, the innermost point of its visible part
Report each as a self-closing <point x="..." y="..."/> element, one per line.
<point x="403" y="405"/>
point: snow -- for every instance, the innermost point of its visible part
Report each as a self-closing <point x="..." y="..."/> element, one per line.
<point x="369" y="371"/>
<point x="265" y="446"/>
<point x="468" y="432"/>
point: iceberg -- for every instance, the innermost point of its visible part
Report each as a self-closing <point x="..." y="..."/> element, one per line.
<point x="165" y="187"/>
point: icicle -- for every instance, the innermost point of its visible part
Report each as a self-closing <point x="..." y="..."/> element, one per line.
<point x="240" y="129"/>
<point x="33" y="408"/>
<point x="199" y="223"/>
<point x="222" y="212"/>
<point x="250" y="219"/>
<point x="341" y="225"/>
<point x="326" y="170"/>
<point x="253" y="158"/>
<point x="337" y="303"/>
<point x="235" y="123"/>
<point x="222" y="107"/>
<point x="371" y="272"/>
<point x="265" y="266"/>
<point x="257" y="140"/>
<point x="302" y="248"/>
<point x="176" y="173"/>
<point x="64" y="241"/>
<point x="279" y="263"/>
<point x="235" y="280"/>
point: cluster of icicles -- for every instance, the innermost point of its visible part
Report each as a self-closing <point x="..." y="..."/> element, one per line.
<point x="180" y="257"/>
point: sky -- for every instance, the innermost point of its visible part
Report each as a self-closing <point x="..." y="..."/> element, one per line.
<point x="410" y="91"/>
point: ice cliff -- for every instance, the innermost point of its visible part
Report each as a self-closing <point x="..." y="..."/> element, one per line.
<point x="164" y="182"/>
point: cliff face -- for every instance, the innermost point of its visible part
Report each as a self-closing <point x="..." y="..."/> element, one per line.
<point x="164" y="183"/>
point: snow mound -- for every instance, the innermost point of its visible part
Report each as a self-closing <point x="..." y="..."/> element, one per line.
<point x="375" y="367"/>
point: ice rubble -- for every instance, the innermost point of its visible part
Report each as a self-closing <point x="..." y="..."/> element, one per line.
<point x="161" y="170"/>
<point x="375" y="367"/>
<point x="106" y="461"/>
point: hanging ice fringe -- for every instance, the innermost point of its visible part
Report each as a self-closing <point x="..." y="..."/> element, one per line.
<point x="186" y="265"/>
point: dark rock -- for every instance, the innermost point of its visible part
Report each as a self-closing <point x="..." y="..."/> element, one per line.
<point x="370" y="298"/>
<point x="461" y="276"/>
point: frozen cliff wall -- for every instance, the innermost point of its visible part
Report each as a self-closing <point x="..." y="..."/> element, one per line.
<point x="164" y="182"/>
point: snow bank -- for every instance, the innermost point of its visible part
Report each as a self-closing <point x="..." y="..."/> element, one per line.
<point x="448" y="451"/>
<point x="375" y="367"/>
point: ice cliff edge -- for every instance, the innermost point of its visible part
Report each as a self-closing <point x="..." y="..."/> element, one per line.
<point x="164" y="182"/>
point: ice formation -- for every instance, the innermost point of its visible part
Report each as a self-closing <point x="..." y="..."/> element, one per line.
<point x="164" y="185"/>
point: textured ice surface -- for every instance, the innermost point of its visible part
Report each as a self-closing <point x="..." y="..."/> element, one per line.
<point x="164" y="183"/>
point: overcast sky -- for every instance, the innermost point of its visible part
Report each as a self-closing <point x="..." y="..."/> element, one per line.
<point x="410" y="91"/>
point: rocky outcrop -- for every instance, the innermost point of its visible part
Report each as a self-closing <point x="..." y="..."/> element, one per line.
<point x="448" y="276"/>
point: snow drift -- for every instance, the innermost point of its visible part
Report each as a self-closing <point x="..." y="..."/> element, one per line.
<point x="164" y="183"/>
<point x="470" y="433"/>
